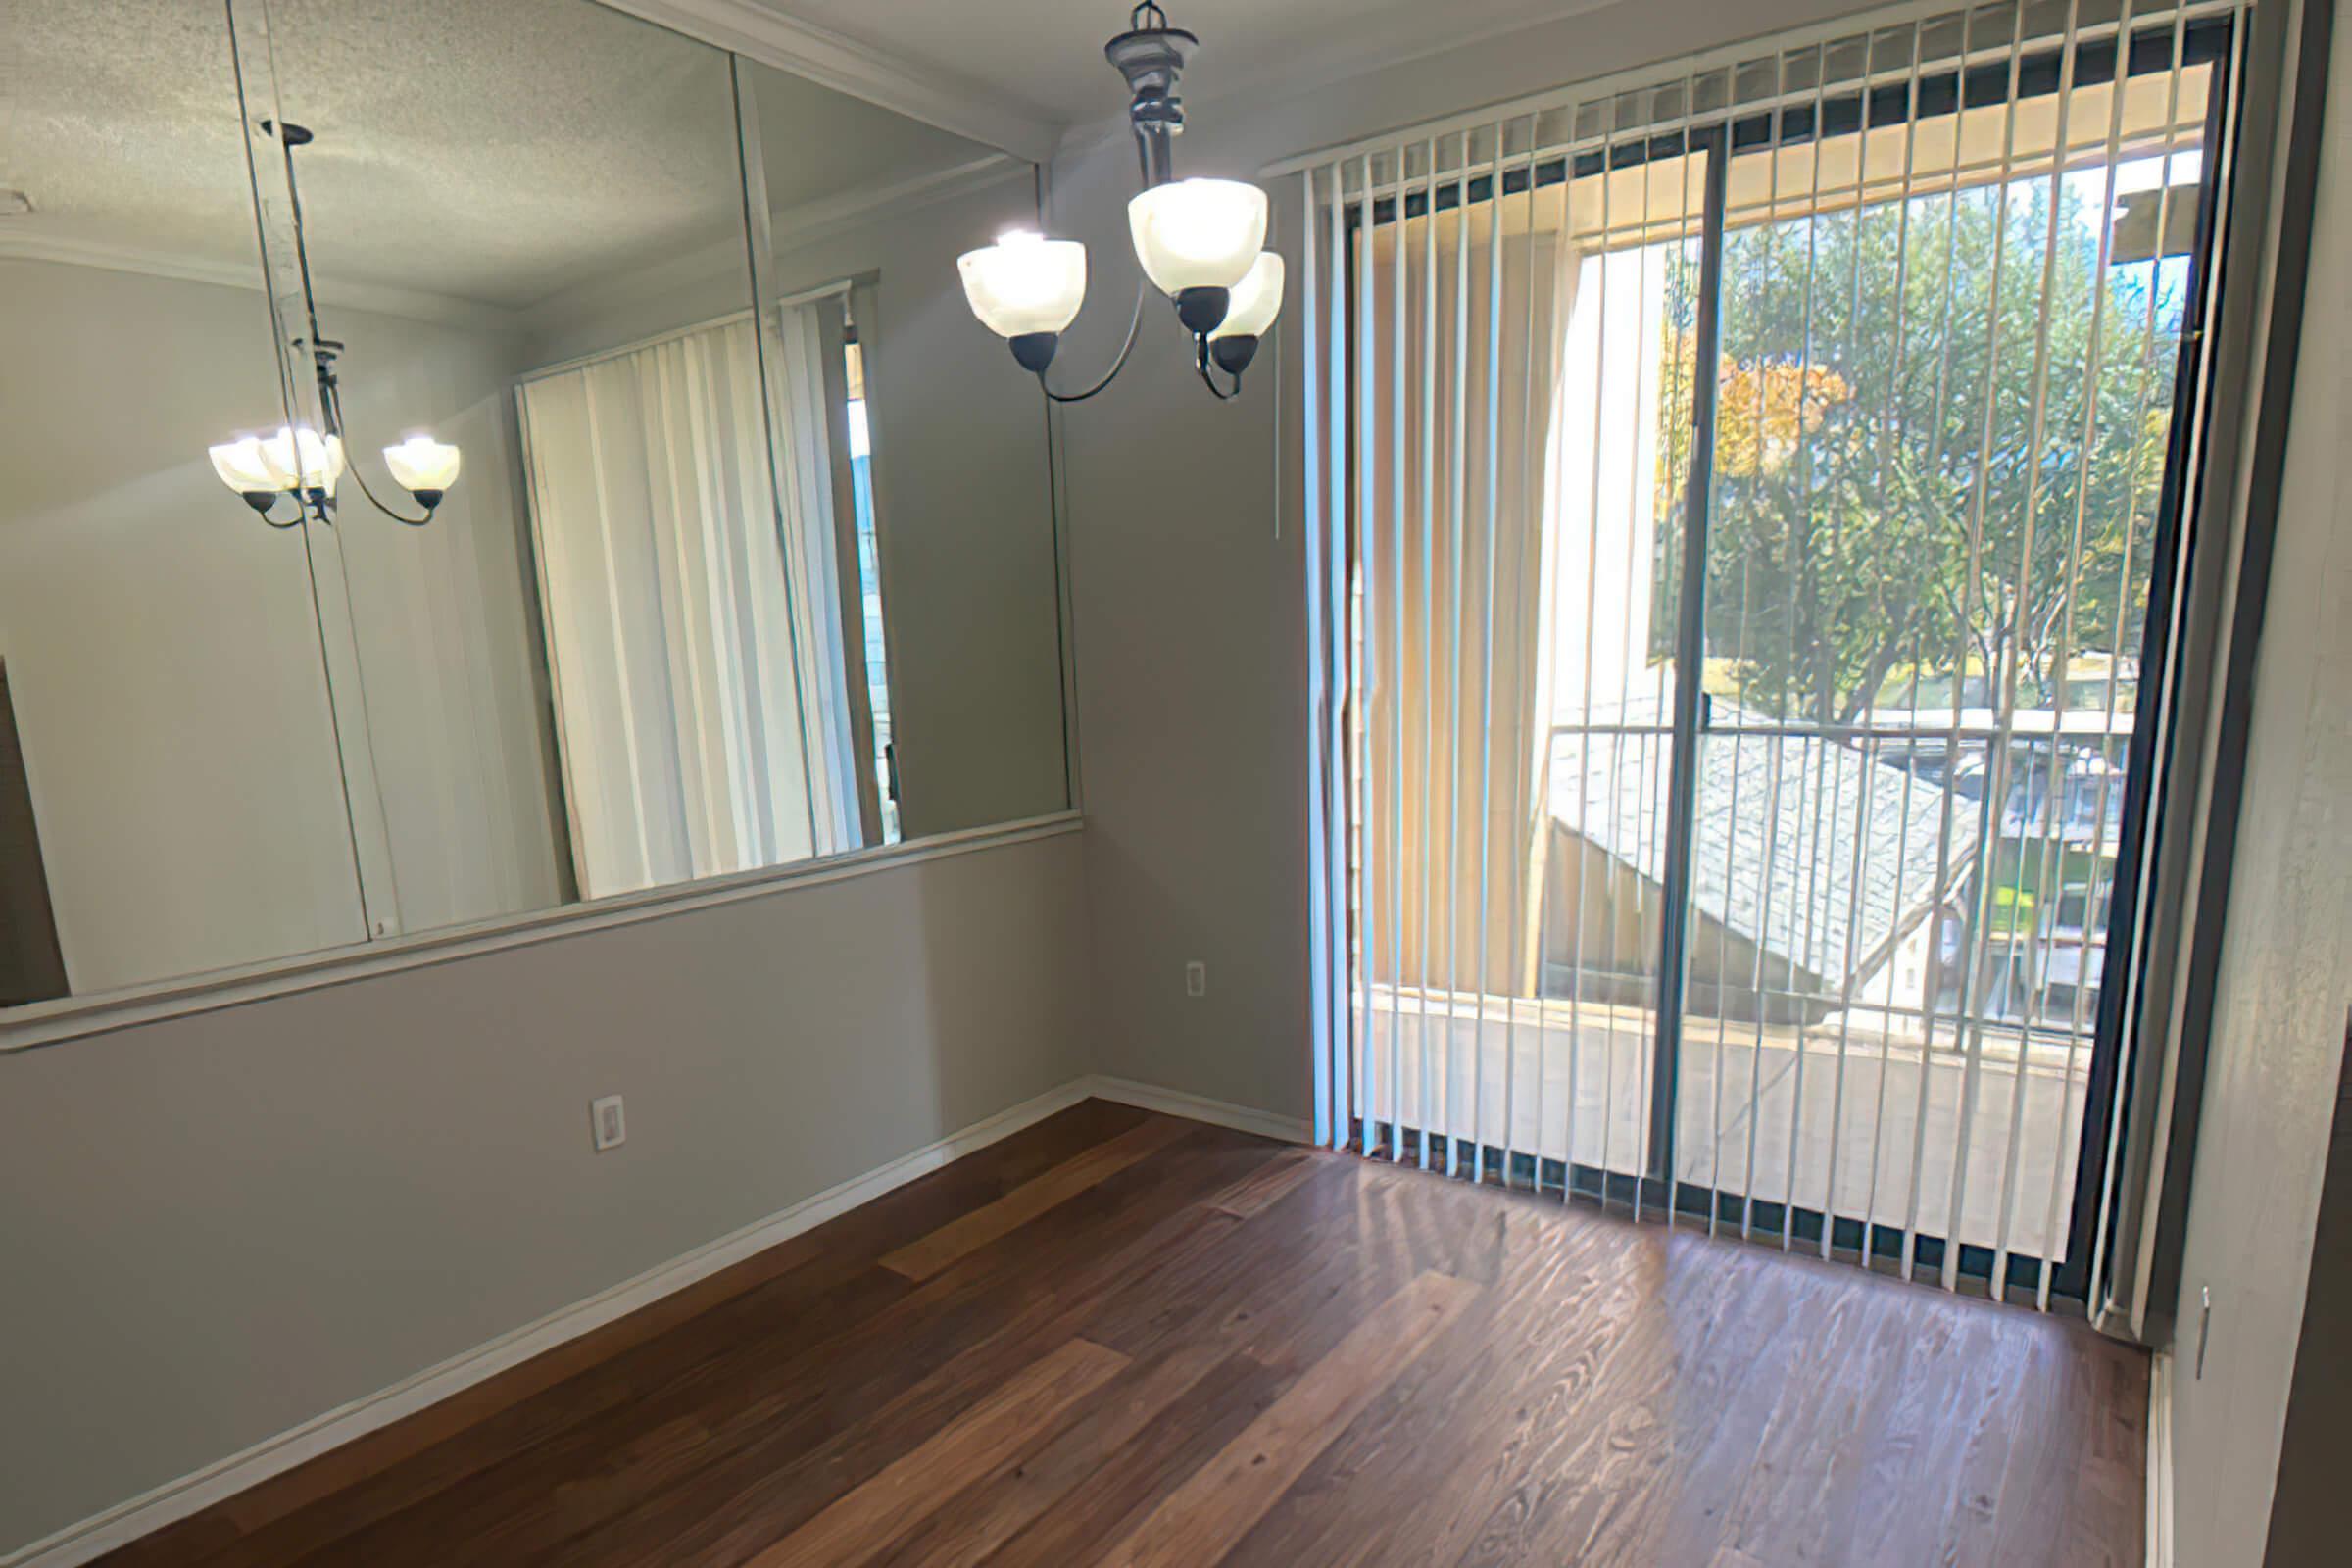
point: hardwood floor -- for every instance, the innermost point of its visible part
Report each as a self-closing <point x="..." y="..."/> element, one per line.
<point x="1123" y="1339"/>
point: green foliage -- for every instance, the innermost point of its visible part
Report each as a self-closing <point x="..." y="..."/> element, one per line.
<point x="1891" y="494"/>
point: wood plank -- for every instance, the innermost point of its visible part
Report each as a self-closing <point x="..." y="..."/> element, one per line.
<point x="793" y="1286"/>
<point x="926" y="1256"/>
<point x="2059" y="1454"/>
<point x="911" y="1489"/>
<point x="1289" y="1298"/>
<point x="1257" y="1389"/>
<point x="1473" y="1431"/>
<point x="1024" y="1484"/>
<point x="1805" y="1466"/>
<point x="1129" y="1481"/>
<point x="1597" y="1421"/>
<point x="757" y="1461"/>
<point x="1270" y="1183"/>
<point x="1202" y="1519"/>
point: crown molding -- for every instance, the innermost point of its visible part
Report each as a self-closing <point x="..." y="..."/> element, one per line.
<point x="383" y="299"/>
<point x="833" y="59"/>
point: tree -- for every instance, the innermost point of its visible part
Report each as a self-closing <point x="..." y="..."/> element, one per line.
<point x="1912" y="480"/>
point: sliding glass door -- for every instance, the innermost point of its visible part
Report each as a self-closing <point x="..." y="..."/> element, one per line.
<point x="1949" y="350"/>
<point x="1760" y="530"/>
<point x="1521" y="346"/>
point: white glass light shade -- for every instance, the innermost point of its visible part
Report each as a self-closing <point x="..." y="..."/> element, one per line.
<point x="248" y="467"/>
<point x="421" y="463"/>
<point x="314" y="462"/>
<point x="1024" y="283"/>
<point x="1198" y="233"/>
<point x="1256" y="300"/>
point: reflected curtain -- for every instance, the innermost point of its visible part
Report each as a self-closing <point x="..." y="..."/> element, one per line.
<point x="686" y="579"/>
<point x="804" y="343"/>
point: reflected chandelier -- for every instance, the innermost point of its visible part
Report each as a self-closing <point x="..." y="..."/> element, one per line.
<point x="303" y="465"/>
<point x="1201" y="241"/>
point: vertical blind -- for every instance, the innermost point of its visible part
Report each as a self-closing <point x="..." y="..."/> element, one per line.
<point x="1744" y="509"/>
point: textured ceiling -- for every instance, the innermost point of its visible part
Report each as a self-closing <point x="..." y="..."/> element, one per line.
<point x="489" y="151"/>
<point x="1047" y="54"/>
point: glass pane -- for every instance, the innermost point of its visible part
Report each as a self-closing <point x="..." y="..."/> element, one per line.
<point x="456" y="251"/>
<point x="1519" y="519"/>
<point x="1625" y="391"/>
<point x="170" y="797"/>
<point x="1944" y="392"/>
<point x="954" y="501"/>
<point x="681" y="612"/>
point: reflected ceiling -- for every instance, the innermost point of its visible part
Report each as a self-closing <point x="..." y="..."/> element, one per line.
<point x="489" y="153"/>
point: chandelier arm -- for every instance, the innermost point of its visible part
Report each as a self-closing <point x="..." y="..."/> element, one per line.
<point x="1135" y="321"/>
<point x="362" y="482"/>
<point x="1209" y="381"/>
<point x="333" y="396"/>
<point x="1134" y="325"/>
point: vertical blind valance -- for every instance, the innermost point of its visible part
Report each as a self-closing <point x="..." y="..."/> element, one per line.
<point x="1867" y="67"/>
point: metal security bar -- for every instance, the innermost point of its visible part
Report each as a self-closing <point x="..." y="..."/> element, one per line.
<point x="1736" y="503"/>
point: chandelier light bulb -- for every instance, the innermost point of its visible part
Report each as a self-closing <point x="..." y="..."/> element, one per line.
<point x="316" y="462"/>
<point x="422" y="466"/>
<point x="1198" y="233"/>
<point x="248" y="467"/>
<point x="1256" y="300"/>
<point x="1255" y="303"/>
<point x="1024" y="283"/>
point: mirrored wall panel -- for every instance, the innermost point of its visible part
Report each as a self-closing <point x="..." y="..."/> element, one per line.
<point x="444" y="486"/>
<point x="170" y="790"/>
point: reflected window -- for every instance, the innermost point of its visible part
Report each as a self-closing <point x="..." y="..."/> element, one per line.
<point x="870" y="579"/>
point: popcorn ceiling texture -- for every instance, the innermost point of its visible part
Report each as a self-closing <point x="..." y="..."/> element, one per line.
<point x="495" y="154"/>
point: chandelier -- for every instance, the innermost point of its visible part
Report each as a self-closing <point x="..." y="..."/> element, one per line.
<point x="305" y="465"/>
<point x="1201" y="241"/>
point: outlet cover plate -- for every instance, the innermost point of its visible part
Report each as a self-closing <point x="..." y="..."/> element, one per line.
<point x="607" y="1124"/>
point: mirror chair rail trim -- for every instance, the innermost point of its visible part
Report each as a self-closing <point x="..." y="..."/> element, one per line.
<point x="50" y="1023"/>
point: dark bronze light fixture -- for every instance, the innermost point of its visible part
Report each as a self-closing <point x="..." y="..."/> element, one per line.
<point x="1201" y="241"/>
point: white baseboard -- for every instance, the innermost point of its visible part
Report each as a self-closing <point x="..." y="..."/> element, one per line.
<point x="177" y="1500"/>
<point x="1218" y="1112"/>
<point x="2160" y="1460"/>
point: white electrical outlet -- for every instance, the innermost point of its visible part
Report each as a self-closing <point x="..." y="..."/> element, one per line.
<point x="1195" y="979"/>
<point x="607" y="1124"/>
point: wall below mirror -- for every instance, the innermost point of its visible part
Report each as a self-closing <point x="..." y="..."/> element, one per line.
<point x="748" y="557"/>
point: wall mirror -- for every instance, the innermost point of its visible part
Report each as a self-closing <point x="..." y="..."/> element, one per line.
<point x="447" y="483"/>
